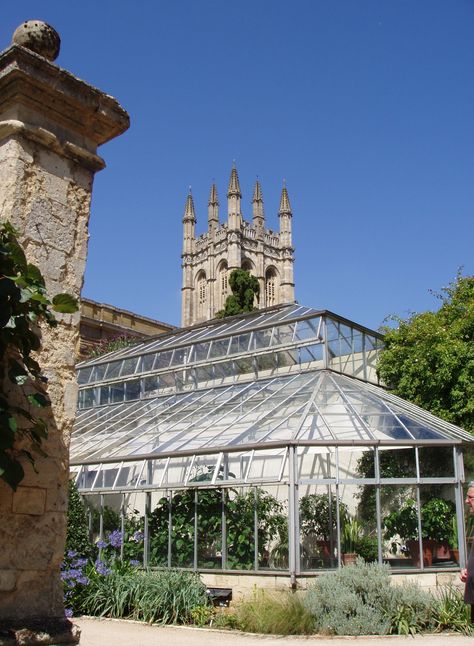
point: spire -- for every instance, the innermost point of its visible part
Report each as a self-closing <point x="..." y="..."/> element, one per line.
<point x="257" y="202"/>
<point x="234" y="186"/>
<point x="285" y="207"/>
<point x="189" y="213"/>
<point x="213" y="200"/>
<point x="213" y="209"/>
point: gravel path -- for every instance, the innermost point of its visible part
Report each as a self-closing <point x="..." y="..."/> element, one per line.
<point x="115" y="632"/>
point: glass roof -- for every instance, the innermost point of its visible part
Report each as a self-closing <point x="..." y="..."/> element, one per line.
<point x="235" y="395"/>
<point x="314" y="407"/>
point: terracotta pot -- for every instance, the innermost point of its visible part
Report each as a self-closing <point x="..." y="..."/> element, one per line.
<point x="428" y="547"/>
<point x="349" y="558"/>
<point x="443" y="550"/>
<point x="454" y="553"/>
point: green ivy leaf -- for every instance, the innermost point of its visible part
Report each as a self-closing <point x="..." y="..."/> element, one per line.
<point x="10" y="470"/>
<point x="65" y="303"/>
<point x="38" y="399"/>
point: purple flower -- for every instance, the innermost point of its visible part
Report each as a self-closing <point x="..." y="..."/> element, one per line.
<point x="101" y="544"/>
<point x="115" y="538"/>
<point x="134" y="563"/>
<point x="101" y="568"/>
<point x="71" y="554"/>
<point x="80" y="563"/>
<point x="68" y="612"/>
<point x="137" y="536"/>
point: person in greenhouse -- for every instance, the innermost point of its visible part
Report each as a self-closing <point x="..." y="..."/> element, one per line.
<point x="467" y="574"/>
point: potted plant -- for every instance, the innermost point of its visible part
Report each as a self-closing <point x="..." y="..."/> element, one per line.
<point x="318" y="520"/>
<point x="436" y="519"/>
<point x="350" y="536"/>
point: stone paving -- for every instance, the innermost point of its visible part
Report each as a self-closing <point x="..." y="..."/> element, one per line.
<point x="108" y="632"/>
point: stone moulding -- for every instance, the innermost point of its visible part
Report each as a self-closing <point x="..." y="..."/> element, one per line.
<point x="30" y="80"/>
<point x="50" y="140"/>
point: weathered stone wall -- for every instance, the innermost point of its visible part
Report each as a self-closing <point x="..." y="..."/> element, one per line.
<point x="50" y="126"/>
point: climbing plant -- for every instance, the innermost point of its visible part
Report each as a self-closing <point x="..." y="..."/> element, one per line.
<point x="24" y="304"/>
<point x="245" y="289"/>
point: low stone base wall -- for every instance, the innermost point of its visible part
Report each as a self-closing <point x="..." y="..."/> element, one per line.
<point x="243" y="585"/>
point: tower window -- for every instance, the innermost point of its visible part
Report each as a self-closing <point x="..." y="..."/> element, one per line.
<point x="270" y="289"/>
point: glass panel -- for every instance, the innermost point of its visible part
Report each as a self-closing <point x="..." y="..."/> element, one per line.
<point x="239" y="343"/>
<point x="158" y="528"/>
<point x="132" y="389"/>
<point x="200" y="351"/>
<point x="437" y="529"/>
<point x="287" y="358"/>
<point x="162" y="360"/>
<point x="219" y="348"/>
<point x="204" y="374"/>
<point x="166" y="380"/>
<point x="262" y="339"/>
<point x="436" y="462"/>
<point x="99" y="372"/>
<point x="150" y="385"/>
<point x="266" y="362"/>
<point x="103" y="395"/>
<point x="307" y="329"/>
<point x="358" y="526"/>
<point x="400" y="528"/>
<point x="318" y="526"/>
<point x="147" y="362"/>
<point x="283" y="334"/>
<point x="311" y="353"/>
<point x="209" y="521"/>
<point x="83" y="375"/>
<point x="223" y="371"/>
<point x="272" y="523"/>
<point x="116" y="392"/>
<point x="240" y="522"/>
<point x="182" y="533"/>
<point x="179" y="356"/>
<point x="243" y="366"/>
<point x="89" y="397"/>
<point x="129" y="366"/>
<point x="113" y="369"/>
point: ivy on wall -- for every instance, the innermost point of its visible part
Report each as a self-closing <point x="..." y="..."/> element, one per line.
<point x="24" y="304"/>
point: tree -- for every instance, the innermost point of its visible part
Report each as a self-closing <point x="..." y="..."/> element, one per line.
<point x="429" y="357"/>
<point x="244" y="288"/>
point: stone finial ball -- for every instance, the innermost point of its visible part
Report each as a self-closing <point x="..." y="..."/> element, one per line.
<point x="38" y="36"/>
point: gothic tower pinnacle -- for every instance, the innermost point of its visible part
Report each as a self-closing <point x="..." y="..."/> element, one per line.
<point x="213" y="209"/>
<point x="257" y="208"/>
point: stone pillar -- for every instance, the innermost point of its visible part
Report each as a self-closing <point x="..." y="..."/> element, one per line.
<point x="50" y="126"/>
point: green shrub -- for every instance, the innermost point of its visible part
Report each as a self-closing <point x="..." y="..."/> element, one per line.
<point x="165" y="597"/>
<point x="77" y="536"/>
<point x="451" y="613"/>
<point x="277" y="614"/>
<point x="360" y="600"/>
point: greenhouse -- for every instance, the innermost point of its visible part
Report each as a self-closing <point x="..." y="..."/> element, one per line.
<point x="264" y="443"/>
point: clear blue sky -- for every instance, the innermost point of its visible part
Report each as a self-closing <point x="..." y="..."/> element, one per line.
<point x="364" y="106"/>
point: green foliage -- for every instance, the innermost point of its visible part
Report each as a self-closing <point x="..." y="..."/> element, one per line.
<point x="359" y="600"/>
<point x="77" y="535"/>
<point x="110" y="345"/>
<point x="350" y="535"/>
<point x="451" y="613"/>
<point x="245" y="289"/>
<point x="167" y="597"/>
<point x="429" y="357"/>
<point x="398" y="463"/>
<point x="240" y="526"/>
<point x="275" y="614"/>
<point x="316" y="511"/>
<point x="436" y="521"/>
<point x="23" y="306"/>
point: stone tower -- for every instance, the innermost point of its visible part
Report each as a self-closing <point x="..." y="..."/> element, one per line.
<point x="208" y="259"/>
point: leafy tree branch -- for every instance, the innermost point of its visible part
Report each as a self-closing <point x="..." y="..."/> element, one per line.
<point x="23" y="305"/>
